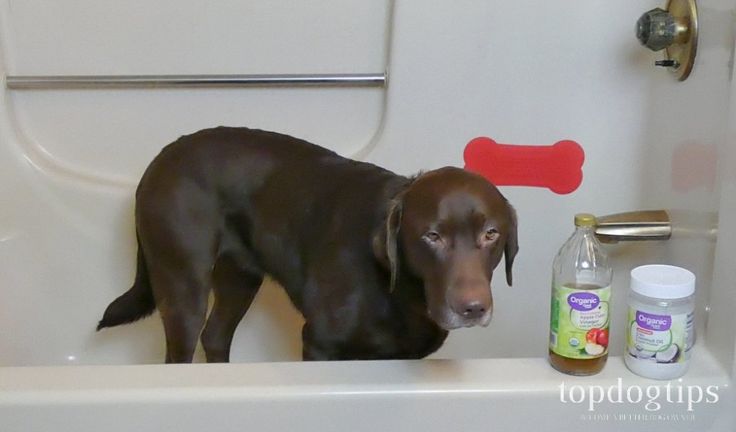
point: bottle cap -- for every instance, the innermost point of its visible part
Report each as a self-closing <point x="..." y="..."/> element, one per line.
<point x="662" y="281"/>
<point x="585" y="220"/>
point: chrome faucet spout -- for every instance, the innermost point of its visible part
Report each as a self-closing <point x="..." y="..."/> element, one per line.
<point x="634" y="226"/>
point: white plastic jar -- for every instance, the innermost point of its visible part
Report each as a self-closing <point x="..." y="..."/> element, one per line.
<point x="660" y="325"/>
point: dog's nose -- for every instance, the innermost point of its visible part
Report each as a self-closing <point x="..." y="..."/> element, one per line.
<point x="472" y="305"/>
<point x="473" y="310"/>
<point x="470" y="298"/>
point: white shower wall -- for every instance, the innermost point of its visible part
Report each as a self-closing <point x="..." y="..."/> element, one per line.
<point x="73" y="158"/>
<point x="523" y="72"/>
<point x="518" y="71"/>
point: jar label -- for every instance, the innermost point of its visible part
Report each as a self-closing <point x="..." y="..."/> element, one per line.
<point x="579" y="322"/>
<point x="659" y="338"/>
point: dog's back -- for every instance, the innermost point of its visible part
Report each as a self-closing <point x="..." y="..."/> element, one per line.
<point x="228" y="205"/>
<point x="268" y="187"/>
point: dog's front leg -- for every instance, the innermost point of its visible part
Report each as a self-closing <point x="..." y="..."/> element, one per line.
<point x="311" y="351"/>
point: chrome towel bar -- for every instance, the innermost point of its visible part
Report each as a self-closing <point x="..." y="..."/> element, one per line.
<point x="61" y="82"/>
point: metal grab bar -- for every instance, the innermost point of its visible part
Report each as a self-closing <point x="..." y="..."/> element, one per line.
<point x="55" y="82"/>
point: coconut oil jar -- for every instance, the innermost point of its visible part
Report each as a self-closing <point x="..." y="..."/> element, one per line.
<point x="660" y="326"/>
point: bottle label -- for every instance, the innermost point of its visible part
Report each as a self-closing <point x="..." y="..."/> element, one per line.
<point x="659" y="338"/>
<point x="579" y="322"/>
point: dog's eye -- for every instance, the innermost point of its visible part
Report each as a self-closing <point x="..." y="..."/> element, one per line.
<point x="491" y="234"/>
<point x="432" y="236"/>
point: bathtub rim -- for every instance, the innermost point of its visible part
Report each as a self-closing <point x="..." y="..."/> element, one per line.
<point x="97" y="384"/>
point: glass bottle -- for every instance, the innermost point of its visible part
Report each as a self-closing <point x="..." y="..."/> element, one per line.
<point x="581" y="293"/>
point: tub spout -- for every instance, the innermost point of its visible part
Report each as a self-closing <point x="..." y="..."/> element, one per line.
<point x="634" y="226"/>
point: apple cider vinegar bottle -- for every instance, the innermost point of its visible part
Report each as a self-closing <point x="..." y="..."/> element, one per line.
<point x="581" y="293"/>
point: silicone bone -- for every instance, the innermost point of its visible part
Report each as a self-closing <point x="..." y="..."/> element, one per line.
<point x="557" y="167"/>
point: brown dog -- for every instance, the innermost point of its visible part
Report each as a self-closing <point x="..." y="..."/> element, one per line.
<point x="380" y="265"/>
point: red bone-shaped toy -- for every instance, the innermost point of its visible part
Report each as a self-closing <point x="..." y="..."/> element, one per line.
<point x="557" y="167"/>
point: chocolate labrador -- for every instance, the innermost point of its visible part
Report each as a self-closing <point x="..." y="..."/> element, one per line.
<point x="381" y="266"/>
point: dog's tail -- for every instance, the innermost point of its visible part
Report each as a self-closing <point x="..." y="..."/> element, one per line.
<point x="135" y="304"/>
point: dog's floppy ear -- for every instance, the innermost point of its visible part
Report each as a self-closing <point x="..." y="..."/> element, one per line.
<point x="385" y="240"/>
<point x="512" y="244"/>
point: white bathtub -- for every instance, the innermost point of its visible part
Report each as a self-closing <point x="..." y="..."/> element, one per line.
<point x="472" y="395"/>
<point x="520" y="71"/>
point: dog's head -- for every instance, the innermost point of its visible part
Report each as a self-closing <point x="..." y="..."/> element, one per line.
<point x="450" y="228"/>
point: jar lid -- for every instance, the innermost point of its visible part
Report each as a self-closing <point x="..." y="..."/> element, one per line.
<point x="662" y="281"/>
<point x="584" y="220"/>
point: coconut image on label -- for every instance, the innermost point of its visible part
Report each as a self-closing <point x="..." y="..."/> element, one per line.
<point x="668" y="355"/>
<point x="641" y="353"/>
